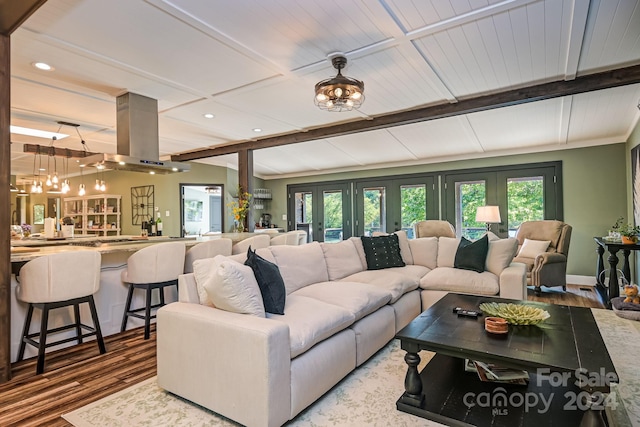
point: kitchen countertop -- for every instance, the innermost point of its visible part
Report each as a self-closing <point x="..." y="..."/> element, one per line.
<point x="26" y="250"/>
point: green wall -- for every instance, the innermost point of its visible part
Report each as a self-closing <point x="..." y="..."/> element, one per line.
<point x="595" y="179"/>
<point x="166" y="193"/>
<point x="594" y="187"/>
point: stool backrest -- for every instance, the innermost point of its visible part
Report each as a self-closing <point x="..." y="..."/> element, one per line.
<point x="256" y="242"/>
<point x="157" y="263"/>
<point x="60" y="277"/>
<point x="208" y="249"/>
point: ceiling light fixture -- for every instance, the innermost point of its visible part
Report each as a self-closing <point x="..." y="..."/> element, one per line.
<point x="42" y="66"/>
<point x="339" y="93"/>
<point x="257" y="130"/>
<point x="208" y="116"/>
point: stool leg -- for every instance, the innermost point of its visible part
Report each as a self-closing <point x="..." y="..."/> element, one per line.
<point x="161" y="295"/>
<point x="43" y="338"/>
<point x="127" y="307"/>
<point x="76" y="314"/>
<point x="25" y="332"/>
<point x="96" y="325"/>
<point x="147" y="315"/>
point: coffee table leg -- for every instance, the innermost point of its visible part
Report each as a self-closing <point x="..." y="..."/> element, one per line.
<point x="592" y="417"/>
<point x="412" y="383"/>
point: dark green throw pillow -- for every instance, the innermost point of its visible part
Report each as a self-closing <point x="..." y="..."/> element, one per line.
<point x="269" y="281"/>
<point x="382" y="252"/>
<point x="472" y="255"/>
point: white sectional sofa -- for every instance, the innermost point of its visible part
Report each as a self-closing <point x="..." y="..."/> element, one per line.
<point x="264" y="371"/>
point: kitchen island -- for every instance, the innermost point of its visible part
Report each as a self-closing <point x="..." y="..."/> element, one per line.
<point x="110" y="298"/>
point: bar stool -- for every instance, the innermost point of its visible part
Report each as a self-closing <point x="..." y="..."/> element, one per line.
<point x="210" y="249"/>
<point x="54" y="281"/>
<point x="256" y="242"/>
<point x="154" y="267"/>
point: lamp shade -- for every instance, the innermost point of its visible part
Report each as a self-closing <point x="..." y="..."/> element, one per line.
<point x="488" y="214"/>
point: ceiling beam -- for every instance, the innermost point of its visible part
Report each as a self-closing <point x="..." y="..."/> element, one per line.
<point x="588" y="83"/>
<point x="15" y="12"/>
<point x="48" y="150"/>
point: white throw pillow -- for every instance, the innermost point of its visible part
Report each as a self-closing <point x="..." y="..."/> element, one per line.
<point x="500" y="254"/>
<point x="232" y="286"/>
<point x="447" y="248"/>
<point x="202" y="270"/>
<point x="533" y="248"/>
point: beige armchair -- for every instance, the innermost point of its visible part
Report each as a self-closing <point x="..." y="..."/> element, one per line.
<point x="434" y="228"/>
<point x="548" y="268"/>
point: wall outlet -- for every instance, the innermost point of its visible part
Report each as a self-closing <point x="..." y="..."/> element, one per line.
<point x="166" y="213"/>
<point x="284" y="217"/>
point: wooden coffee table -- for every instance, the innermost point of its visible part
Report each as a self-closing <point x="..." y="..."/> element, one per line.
<point x="564" y="349"/>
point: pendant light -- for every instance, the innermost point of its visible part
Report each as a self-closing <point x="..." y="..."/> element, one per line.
<point x="81" y="190"/>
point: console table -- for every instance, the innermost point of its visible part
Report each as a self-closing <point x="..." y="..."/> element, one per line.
<point x="612" y="247"/>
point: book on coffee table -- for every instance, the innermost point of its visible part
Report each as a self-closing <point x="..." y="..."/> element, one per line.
<point x="490" y="372"/>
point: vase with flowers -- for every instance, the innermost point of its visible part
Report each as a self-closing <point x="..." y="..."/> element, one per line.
<point x="240" y="210"/>
<point x="26" y="230"/>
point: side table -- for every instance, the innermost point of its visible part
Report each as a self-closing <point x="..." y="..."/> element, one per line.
<point x="612" y="290"/>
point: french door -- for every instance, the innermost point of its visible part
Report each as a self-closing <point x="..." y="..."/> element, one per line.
<point x="394" y="204"/>
<point x="323" y="210"/>
<point x="522" y="193"/>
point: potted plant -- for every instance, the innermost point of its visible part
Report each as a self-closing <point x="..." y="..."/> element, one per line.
<point x="629" y="233"/>
<point x="614" y="232"/>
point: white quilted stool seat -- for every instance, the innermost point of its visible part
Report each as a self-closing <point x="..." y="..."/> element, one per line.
<point x="204" y="250"/>
<point x="154" y="267"/>
<point x="55" y="281"/>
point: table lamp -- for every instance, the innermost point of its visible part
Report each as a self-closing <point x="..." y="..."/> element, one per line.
<point x="488" y="214"/>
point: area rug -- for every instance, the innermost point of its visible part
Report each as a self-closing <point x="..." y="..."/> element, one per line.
<point x="366" y="397"/>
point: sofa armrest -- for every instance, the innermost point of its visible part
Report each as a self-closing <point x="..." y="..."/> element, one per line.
<point x="226" y="362"/>
<point x="513" y="281"/>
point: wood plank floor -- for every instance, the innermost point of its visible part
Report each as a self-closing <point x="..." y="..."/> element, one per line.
<point x="79" y="375"/>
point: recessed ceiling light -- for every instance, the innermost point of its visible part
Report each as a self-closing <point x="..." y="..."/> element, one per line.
<point x="152" y="173"/>
<point x="42" y="66"/>
<point x="36" y="132"/>
<point x="208" y="116"/>
<point x="257" y="129"/>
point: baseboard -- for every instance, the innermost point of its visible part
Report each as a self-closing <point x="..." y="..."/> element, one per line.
<point x="581" y="280"/>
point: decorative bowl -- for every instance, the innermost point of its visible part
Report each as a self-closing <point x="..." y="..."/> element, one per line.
<point x="515" y="314"/>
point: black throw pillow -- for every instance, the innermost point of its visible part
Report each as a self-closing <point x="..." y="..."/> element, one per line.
<point x="472" y="255"/>
<point x="382" y="252"/>
<point x="270" y="282"/>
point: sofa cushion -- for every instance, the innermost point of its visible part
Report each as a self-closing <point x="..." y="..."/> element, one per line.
<point x="500" y="254"/>
<point x="416" y="272"/>
<point x="300" y="265"/>
<point x="265" y="253"/>
<point x="311" y="321"/>
<point x="461" y="281"/>
<point x="447" y="248"/>
<point x="357" y="242"/>
<point x="424" y="251"/>
<point x="532" y="248"/>
<point x="472" y="255"/>
<point x="232" y="286"/>
<point x="396" y="284"/>
<point x="269" y="281"/>
<point x="342" y="259"/>
<point x="358" y="298"/>
<point x="382" y="252"/>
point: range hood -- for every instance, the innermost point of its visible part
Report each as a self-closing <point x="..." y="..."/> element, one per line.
<point x="138" y="141"/>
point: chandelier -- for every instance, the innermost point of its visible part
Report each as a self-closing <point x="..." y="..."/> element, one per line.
<point x="339" y="93"/>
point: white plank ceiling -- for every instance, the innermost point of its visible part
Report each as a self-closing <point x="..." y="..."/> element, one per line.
<point x="253" y="64"/>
